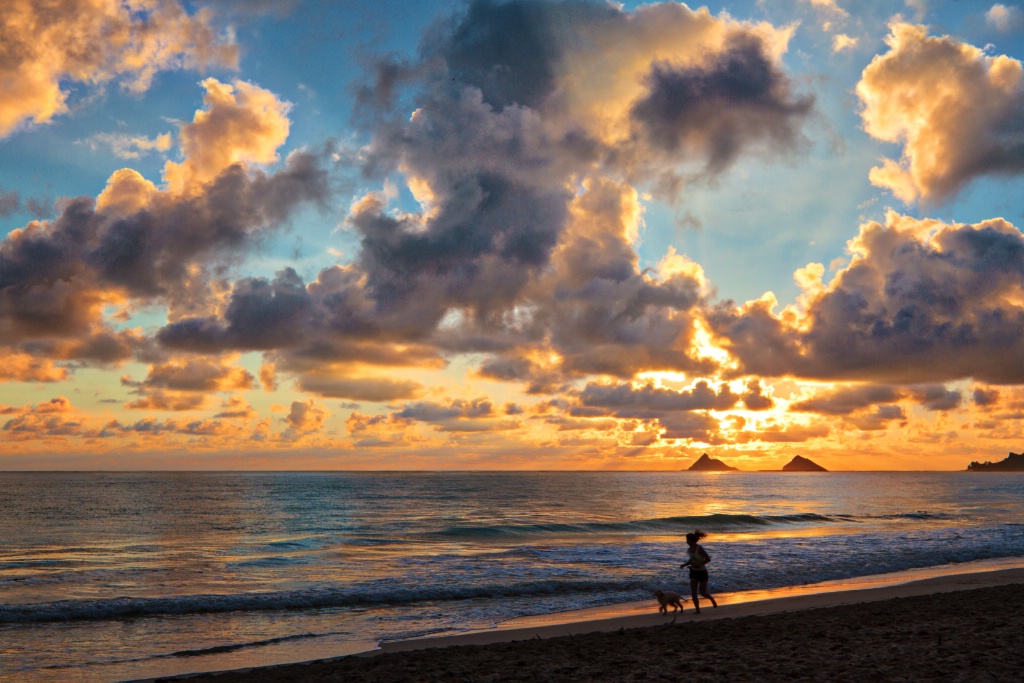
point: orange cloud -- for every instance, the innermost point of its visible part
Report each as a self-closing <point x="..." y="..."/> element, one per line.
<point x="140" y="245"/>
<point x="956" y="110"/>
<point x="186" y="384"/>
<point x="236" y="407"/>
<point x="268" y="376"/>
<point x="22" y="367"/>
<point x="53" y="419"/>
<point x="197" y="374"/>
<point x="48" y="43"/>
<point x="920" y="302"/>
<point x="165" y="400"/>
<point x="242" y="123"/>
<point x="306" y="417"/>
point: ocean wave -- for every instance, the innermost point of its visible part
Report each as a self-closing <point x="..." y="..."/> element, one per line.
<point x="559" y="574"/>
<point x="678" y="524"/>
<point x="916" y="515"/>
<point x="268" y="562"/>
<point x="318" y="598"/>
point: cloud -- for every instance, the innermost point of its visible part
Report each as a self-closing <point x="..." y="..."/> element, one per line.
<point x="10" y="202"/>
<point x="626" y="400"/>
<point x="138" y="244"/>
<point x="61" y="404"/>
<point x="268" y="376"/>
<point x="919" y="302"/>
<point x="920" y="8"/>
<point x="829" y="6"/>
<point x="23" y="367"/>
<point x="242" y="123"/>
<point x="129" y="146"/>
<point x="522" y="249"/>
<point x="784" y="434"/>
<point x="612" y="86"/>
<point x="881" y="418"/>
<point x="985" y="398"/>
<point x="699" y="426"/>
<point x="365" y="388"/>
<point x="457" y="415"/>
<point x="713" y="111"/>
<point x="849" y="400"/>
<point x="1005" y="19"/>
<point x="937" y="398"/>
<point x="755" y="398"/>
<point x="48" y="45"/>
<point x="306" y="416"/>
<point x="51" y="423"/>
<point x="436" y="412"/>
<point x="235" y="407"/>
<point x="957" y="111"/>
<point x="169" y="400"/>
<point x="195" y="375"/>
<point x="841" y="42"/>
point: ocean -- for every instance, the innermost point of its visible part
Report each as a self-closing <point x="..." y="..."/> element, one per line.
<point x="117" y="576"/>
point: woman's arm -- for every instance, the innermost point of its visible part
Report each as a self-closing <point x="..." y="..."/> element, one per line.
<point x="704" y="554"/>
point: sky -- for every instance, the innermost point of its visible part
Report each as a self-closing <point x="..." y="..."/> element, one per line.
<point x="510" y="234"/>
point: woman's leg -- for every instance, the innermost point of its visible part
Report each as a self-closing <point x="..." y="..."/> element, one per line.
<point x="693" y="593"/>
<point x="704" y="592"/>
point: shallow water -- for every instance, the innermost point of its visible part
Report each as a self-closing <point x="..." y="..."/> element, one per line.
<point x="107" y="576"/>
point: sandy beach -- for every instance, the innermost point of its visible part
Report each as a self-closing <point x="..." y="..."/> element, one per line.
<point x="960" y="627"/>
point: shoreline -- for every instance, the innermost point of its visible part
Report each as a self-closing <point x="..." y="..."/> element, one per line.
<point x="795" y="604"/>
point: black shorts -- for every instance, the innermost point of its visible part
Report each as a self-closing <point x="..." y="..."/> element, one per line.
<point x="698" y="575"/>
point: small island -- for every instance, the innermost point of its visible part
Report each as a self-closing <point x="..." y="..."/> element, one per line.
<point x="799" y="464"/>
<point x="802" y="464"/>
<point x="705" y="463"/>
<point x="1013" y="463"/>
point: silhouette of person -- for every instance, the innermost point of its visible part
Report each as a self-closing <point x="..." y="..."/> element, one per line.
<point x="697" y="563"/>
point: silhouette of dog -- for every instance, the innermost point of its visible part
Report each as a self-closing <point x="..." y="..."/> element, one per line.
<point x="666" y="599"/>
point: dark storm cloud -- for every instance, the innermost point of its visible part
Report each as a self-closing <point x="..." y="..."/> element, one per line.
<point x="920" y="302"/>
<point x="740" y="98"/>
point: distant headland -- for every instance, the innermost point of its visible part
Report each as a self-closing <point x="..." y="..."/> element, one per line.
<point x="706" y="463"/>
<point x="1013" y="463"/>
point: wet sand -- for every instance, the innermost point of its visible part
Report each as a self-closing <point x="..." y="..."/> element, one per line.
<point x="963" y="627"/>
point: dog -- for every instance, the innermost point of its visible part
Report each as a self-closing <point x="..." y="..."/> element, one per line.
<point x="667" y="598"/>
